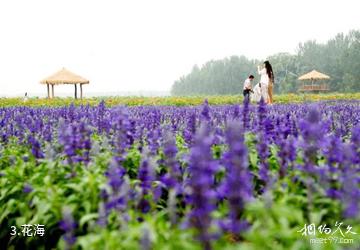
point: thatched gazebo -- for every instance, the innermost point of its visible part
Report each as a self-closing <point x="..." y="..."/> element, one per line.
<point x="312" y="81"/>
<point x="64" y="76"/>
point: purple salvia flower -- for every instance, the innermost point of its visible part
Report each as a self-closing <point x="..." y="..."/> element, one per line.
<point x="189" y="131"/>
<point x="218" y="136"/>
<point x="153" y="140"/>
<point x="173" y="178"/>
<point x="100" y="117"/>
<point x="84" y="141"/>
<point x="68" y="225"/>
<point x="246" y="114"/>
<point x="27" y="188"/>
<point x="236" y="113"/>
<point x="122" y="129"/>
<point x="351" y="194"/>
<point x="355" y="140"/>
<point x="237" y="188"/>
<point x="262" y="112"/>
<point x="349" y="180"/>
<point x="201" y="195"/>
<point x="313" y="133"/>
<point x="333" y="193"/>
<point x="264" y="154"/>
<point x="146" y="176"/>
<point x="333" y="153"/>
<point x="68" y="140"/>
<point x="205" y="112"/>
<point x="76" y="141"/>
<point x="35" y="147"/>
<point x="47" y="132"/>
<point x="269" y="129"/>
<point x="286" y="154"/>
<point x="117" y="197"/>
<point x="115" y="175"/>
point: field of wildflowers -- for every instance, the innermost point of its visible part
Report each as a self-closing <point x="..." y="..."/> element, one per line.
<point x="230" y="176"/>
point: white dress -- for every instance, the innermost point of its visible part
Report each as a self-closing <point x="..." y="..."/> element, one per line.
<point x="262" y="88"/>
<point x="260" y="92"/>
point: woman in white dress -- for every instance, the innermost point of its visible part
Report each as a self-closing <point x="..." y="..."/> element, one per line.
<point x="270" y="73"/>
<point x="262" y="89"/>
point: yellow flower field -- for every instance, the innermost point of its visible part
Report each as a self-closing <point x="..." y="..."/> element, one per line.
<point x="176" y="100"/>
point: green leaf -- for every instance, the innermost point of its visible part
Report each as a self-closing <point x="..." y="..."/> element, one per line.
<point x="86" y="218"/>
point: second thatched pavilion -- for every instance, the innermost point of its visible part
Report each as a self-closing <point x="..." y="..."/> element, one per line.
<point x="64" y="76"/>
<point x="312" y="82"/>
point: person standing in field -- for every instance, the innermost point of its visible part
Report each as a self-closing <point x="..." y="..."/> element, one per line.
<point x="25" y="97"/>
<point x="248" y="86"/>
<point x="266" y="82"/>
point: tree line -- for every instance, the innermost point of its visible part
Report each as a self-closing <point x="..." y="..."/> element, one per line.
<point x="339" y="58"/>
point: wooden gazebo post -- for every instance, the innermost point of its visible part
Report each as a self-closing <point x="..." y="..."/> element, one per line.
<point x="52" y="91"/>
<point x="48" y="91"/>
<point x="312" y="84"/>
<point x="75" y="91"/>
<point x="81" y="94"/>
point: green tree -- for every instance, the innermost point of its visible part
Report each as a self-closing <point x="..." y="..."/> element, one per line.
<point x="339" y="58"/>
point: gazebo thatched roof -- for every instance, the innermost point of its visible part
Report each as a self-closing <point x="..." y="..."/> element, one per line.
<point x="64" y="76"/>
<point x="314" y="75"/>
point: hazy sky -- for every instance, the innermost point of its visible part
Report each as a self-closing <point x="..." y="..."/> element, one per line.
<point x="146" y="45"/>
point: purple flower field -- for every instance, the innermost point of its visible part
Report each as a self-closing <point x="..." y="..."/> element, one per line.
<point x="198" y="177"/>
